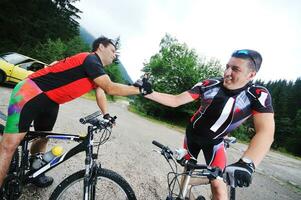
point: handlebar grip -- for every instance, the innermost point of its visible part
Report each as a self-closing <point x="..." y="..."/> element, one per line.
<point x="161" y="146"/>
<point x="89" y="117"/>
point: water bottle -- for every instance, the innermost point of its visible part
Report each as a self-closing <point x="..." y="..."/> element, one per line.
<point x="40" y="159"/>
<point x="180" y="153"/>
<point x="54" y="152"/>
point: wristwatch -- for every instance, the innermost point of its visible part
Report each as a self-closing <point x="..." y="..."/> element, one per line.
<point x="248" y="161"/>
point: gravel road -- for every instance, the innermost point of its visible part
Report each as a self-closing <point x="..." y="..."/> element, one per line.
<point x="129" y="152"/>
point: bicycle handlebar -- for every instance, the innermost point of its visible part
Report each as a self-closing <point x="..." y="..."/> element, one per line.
<point x="191" y="164"/>
<point x="193" y="169"/>
<point x="158" y="144"/>
<point x="90" y="117"/>
<point x="95" y="121"/>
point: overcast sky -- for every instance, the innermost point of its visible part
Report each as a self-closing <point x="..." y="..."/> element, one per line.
<point x="214" y="28"/>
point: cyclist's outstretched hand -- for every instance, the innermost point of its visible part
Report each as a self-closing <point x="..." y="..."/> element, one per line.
<point x="144" y="85"/>
<point x="239" y="173"/>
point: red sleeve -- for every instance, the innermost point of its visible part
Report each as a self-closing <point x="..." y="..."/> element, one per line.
<point x="198" y="89"/>
<point x="195" y="91"/>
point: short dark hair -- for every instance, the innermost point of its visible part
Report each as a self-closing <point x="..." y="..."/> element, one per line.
<point x="253" y="56"/>
<point x="102" y="40"/>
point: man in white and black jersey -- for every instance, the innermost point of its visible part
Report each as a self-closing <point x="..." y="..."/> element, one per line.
<point x="225" y="104"/>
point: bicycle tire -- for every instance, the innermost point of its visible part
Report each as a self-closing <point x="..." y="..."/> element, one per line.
<point x="112" y="186"/>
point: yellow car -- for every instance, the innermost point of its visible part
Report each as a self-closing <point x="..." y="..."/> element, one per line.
<point x="15" y="67"/>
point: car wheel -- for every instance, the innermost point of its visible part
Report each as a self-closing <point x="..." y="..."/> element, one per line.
<point x="2" y="77"/>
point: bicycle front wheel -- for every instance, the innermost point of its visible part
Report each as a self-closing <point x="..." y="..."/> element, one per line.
<point x="109" y="186"/>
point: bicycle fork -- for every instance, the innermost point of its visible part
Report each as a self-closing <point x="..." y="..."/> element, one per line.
<point x="89" y="182"/>
<point x="91" y="168"/>
<point x="184" y="185"/>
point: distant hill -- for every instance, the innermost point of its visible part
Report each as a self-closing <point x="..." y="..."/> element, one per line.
<point x="88" y="38"/>
<point x="125" y="74"/>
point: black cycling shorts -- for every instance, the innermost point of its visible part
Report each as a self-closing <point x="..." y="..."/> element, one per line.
<point x="40" y="110"/>
<point x="214" y="153"/>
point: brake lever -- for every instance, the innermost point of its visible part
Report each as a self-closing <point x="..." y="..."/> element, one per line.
<point x="167" y="154"/>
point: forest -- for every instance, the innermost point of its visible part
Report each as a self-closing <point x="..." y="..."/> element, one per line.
<point x="48" y="30"/>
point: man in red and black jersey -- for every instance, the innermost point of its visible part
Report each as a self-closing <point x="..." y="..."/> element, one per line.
<point x="37" y="98"/>
<point x="225" y="104"/>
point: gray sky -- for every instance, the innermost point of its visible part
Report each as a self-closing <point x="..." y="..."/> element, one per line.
<point x="213" y="28"/>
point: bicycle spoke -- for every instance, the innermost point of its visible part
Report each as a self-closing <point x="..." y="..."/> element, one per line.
<point x="104" y="189"/>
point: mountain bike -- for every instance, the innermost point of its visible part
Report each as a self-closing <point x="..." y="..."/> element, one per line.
<point x="93" y="182"/>
<point x="180" y="185"/>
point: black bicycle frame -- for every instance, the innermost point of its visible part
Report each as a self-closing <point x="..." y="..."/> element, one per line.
<point x="86" y="144"/>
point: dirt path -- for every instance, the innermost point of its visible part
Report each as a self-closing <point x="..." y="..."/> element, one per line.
<point x="129" y="152"/>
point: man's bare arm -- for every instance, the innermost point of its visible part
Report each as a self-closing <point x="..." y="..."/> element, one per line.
<point x="169" y="99"/>
<point x="111" y="88"/>
<point x="263" y="139"/>
<point x="101" y="100"/>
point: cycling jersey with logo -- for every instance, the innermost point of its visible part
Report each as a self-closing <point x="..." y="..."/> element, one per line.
<point x="69" y="78"/>
<point x="223" y="110"/>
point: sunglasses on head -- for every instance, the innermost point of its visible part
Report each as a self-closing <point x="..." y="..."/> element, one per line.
<point x="244" y="53"/>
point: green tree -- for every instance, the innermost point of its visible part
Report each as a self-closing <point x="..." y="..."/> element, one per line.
<point x="242" y="133"/>
<point x="297" y="123"/>
<point x="50" y="51"/>
<point x="26" y="23"/>
<point x="57" y="49"/>
<point x="284" y="130"/>
<point x="294" y="140"/>
<point x="115" y="75"/>
<point x="286" y="103"/>
<point x="175" y="69"/>
<point x="76" y="45"/>
<point x="295" y="98"/>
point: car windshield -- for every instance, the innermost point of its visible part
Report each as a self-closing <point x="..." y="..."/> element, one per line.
<point x="25" y="65"/>
<point x="15" y="58"/>
<point x="32" y="66"/>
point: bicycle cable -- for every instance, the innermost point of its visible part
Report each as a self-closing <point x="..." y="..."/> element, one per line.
<point x="105" y="135"/>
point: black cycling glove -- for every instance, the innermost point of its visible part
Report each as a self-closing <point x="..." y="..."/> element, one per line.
<point x="144" y="85"/>
<point x="239" y="173"/>
<point x="108" y="117"/>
